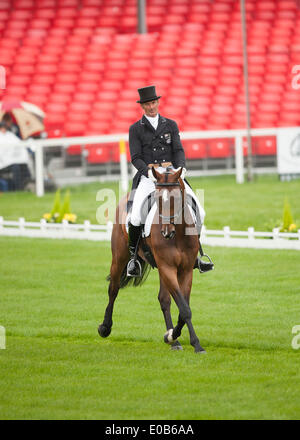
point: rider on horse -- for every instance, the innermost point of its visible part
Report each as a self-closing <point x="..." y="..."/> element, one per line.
<point x="154" y="141"/>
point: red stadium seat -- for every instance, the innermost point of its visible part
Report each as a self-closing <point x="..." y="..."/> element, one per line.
<point x="75" y="129"/>
<point x="75" y="117"/>
<point x="19" y="79"/>
<point x="54" y="119"/>
<point x="220" y="148"/>
<point x="194" y="149"/>
<point x="97" y="127"/>
<point x="264" y="145"/>
<point x="54" y="132"/>
<point x="115" y="152"/>
<point x="98" y="153"/>
<point x="289" y="119"/>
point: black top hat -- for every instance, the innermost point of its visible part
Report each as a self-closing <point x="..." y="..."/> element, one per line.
<point x="147" y="94"/>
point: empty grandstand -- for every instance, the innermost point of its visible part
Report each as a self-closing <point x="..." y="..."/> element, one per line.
<point x="81" y="61"/>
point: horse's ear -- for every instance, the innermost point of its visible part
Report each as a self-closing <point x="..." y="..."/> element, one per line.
<point x="155" y="173"/>
<point x="178" y="173"/>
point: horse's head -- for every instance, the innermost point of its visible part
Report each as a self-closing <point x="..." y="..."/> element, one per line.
<point x="169" y="197"/>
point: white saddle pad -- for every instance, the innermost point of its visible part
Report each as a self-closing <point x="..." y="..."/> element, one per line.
<point x="150" y="217"/>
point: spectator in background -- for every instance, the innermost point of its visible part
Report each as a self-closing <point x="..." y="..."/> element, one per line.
<point x="3" y="185"/>
<point x="11" y="125"/>
<point x="14" y="160"/>
<point x="3" y="182"/>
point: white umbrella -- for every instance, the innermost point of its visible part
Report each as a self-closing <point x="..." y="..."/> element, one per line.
<point x="28" y="116"/>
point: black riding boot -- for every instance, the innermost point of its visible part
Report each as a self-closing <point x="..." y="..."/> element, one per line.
<point x="133" y="267"/>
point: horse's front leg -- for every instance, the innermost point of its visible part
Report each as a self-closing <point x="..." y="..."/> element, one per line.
<point x="169" y="278"/>
<point x="185" y="283"/>
<point x="165" y="304"/>
<point x="185" y="278"/>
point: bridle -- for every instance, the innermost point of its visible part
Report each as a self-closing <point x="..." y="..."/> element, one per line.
<point x="172" y="218"/>
<point x="167" y="184"/>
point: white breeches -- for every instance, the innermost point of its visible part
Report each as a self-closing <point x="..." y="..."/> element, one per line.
<point x="146" y="187"/>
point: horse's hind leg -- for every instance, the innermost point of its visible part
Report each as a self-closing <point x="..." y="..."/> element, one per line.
<point x="104" y="329"/>
<point x="120" y="258"/>
<point x="165" y="304"/>
<point x="178" y="328"/>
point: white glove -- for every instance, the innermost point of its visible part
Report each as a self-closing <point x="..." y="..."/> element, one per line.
<point x="150" y="176"/>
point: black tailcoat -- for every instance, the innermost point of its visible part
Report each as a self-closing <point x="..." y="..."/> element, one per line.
<point x="150" y="146"/>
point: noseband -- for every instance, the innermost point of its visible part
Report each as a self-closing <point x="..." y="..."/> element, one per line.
<point x="176" y="215"/>
<point x="167" y="184"/>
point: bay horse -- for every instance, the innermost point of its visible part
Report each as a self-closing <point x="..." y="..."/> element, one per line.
<point x="174" y="253"/>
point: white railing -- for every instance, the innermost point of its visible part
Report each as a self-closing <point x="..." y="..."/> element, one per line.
<point x="251" y="239"/>
<point x="42" y="229"/>
<point x="238" y="135"/>
<point x="87" y="231"/>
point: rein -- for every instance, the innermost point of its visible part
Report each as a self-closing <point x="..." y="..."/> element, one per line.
<point x="169" y="218"/>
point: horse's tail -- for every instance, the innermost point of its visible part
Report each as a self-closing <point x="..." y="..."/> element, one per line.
<point x="131" y="281"/>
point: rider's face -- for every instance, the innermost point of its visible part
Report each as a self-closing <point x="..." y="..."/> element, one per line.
<point x="151" y="108"/>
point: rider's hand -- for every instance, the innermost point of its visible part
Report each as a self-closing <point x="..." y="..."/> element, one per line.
<point x="150" y="175"/>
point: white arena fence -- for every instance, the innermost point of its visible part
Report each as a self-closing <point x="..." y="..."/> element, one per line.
<point x="37" y="145"/>
<point x="42" y="229"/>
<point x="87" y="231"/>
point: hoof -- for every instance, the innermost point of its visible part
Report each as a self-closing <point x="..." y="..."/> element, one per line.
<point x="104" y="331"/>
<point x="202" y="351"/>
<point x="168" y="337"/>
<point x="176" y="346"/>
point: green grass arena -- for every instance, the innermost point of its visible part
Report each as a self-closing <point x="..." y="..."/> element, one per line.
<point x="54" y="293"/>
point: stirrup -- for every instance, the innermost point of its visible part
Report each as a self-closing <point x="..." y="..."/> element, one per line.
<point x="205" y="266"/>
<point x="136" y="270"/>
